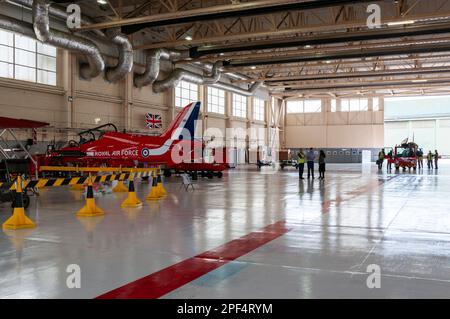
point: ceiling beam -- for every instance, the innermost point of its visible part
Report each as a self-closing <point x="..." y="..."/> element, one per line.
<point x="344" y="26"/>
<point x="379" y="34"/>
<point x="365" y="87"/>
<point x="132" y="25"/>
<point x="351" y="75"/>
<point x="353" y="54"/>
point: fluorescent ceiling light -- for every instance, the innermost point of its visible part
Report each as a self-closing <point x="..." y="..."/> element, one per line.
<point x="419" y="80"/>
<point x="401" y="22"/>
<point x="188" y="37"/>
<point x="253" y="67"/>
<point x="102" y="2"/>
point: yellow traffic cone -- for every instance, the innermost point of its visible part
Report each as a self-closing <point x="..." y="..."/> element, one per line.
<point x="90" y="209"/>
<point x="120" y="188"/>
<point x="132" y="200"/>
<point x="162" y="191"/>
<point x="154" y="193"/>
<point x="18" y="220"/>
<point x="77" y="187"/>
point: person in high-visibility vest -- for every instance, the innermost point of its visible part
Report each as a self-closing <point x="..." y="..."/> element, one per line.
<point x="301" y="164"/>
<point x="430" y="160"/>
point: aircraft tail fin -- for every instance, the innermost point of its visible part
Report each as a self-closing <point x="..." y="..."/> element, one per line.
<point x="184" y="122"/>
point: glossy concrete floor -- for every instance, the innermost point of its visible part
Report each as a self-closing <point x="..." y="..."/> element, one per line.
<point x="336" y="228"/>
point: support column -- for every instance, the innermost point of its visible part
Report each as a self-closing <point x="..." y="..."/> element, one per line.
<point x="128" y="101"/>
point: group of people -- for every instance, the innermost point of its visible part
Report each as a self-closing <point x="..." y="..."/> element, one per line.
<point x="309" y="158"/>
<point x="432" y="159"/>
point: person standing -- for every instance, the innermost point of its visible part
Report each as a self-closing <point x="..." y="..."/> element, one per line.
<point x="430" y="160"/>
<point x="436" y="158"/>
<point x="420" y="158"/>
<point x="381" y="157"/>
<point x="322" y="164"/>
<point x="301" y="163"/>
<point x="389" y="161"/>
<point x="310" y="157"/>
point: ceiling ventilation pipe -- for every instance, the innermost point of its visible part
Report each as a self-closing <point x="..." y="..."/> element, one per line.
<point x="16" y="26"/>
<point x="41" y="24"/>
<point x="183" y="75"/>
<point x="125" y="63"/>
<point x="153" y="65"/>
<point x="236" y="89"/>
<point x="57" y="13"/>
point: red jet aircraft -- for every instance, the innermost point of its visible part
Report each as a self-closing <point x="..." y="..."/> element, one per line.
<point x="175" y="148"/>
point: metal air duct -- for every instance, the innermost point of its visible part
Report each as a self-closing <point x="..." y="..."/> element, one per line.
<point x="183" y="75"/>
<point x="41" y="24"/>
<point x="236" y="89"/>
<point x="56" y="12"/>
<point x="16" y="26"/>
<point x="153" y="66"/>
<point x="125" y="63"/>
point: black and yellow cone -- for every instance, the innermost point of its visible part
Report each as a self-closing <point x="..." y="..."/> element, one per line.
<point x="132" y="200"/>
<point x="120" y="188"/>
<point x="90" y="209"/>
<point x="18" y="220"/>
<point x="154" y="193"/>
<point x="160" y="187"/>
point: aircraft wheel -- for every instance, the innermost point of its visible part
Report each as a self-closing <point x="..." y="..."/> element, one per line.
<point x="209" y="174"/>
<point x="219" y="174"/>
<point x="203" y="174"/>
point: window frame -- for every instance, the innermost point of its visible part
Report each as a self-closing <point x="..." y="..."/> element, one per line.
<point x="258" y="106"/>
<point x="301" y="106"/>
<point x="346" y="105"/>
<point x="218" y="108"/>
<point x="33" y="49"/>
<point x="240" y="105"/>
<point x="181" y="88"/>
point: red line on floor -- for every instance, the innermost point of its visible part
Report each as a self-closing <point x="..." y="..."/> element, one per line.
<point x="168" y="279"/>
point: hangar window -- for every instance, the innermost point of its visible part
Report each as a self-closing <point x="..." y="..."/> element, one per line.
<point x="239" y="105"/>
<point x="306" y="106"/>
<point x="354" y="105"/>
<point x="216" y="100"/>
<point x="313" y="106"/>
<point x="25" y="59"/>
<point x="185" y="93"/>
<point x="258" y="109"/>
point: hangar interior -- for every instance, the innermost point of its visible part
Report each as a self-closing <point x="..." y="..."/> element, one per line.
<point x="272" y="77"/>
